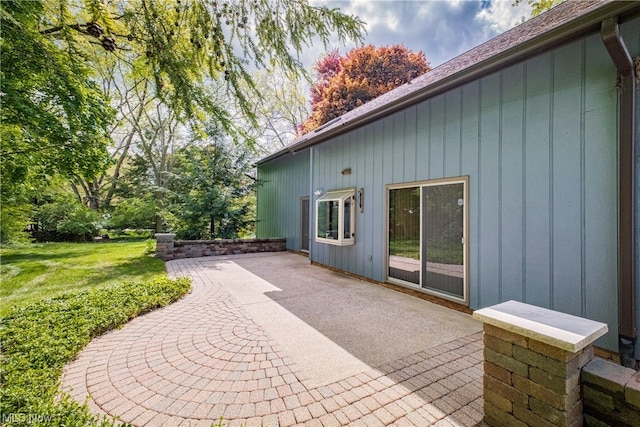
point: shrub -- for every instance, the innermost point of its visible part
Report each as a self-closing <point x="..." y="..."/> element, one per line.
<point x="66" y="220"/>
<point x="13" y="221"/>
<point x="40" y="338"/>
<point x="136" y="214"/>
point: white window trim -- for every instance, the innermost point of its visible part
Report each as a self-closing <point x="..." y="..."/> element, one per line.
<point x="342" y="196"/>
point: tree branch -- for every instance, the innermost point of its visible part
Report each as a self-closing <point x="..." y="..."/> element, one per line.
<point x="52" y="30"/>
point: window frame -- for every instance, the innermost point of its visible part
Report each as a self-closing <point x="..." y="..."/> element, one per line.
<point x="342" y="196"/>
<point x="463" y="179"/>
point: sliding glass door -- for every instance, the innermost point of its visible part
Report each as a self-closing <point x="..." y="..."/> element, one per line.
<point x="443" y="238"/>
<point x="404" y="234"/>
<point x="426" y="240"/>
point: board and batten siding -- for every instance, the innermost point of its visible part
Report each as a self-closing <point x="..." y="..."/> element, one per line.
<point x="282" y="183"/>
<point x="538" y="143"/>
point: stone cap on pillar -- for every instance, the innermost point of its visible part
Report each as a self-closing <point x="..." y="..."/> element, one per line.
<point x="561" y="330"/>
<point x="165" y="236"/>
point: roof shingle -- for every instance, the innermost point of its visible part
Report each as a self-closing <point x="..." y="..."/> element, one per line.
<point x="568" y="19"/>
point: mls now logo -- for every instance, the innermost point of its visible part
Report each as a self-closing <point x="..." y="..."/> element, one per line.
<point x="25" y="418"/>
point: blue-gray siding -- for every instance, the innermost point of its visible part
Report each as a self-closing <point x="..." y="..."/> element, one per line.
<point x="538" y="142"/>
<point x="282" y="183"/>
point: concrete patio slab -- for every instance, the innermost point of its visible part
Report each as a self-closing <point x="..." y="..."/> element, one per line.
<point x="271" y="340"/>
<point x="332" y="325"/>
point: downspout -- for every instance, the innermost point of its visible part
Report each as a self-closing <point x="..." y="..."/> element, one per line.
<point x="627" y="334"/>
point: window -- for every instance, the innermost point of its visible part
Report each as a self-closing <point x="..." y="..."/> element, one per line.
<point x="335" y="218"/>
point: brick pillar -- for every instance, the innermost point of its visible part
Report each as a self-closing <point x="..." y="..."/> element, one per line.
<point x="164" y="245"/>
<point x="528" y="382"/>
<point x="533" y="359"/>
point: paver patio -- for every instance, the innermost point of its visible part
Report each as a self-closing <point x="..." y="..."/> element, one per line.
<point x="256" y="359"/>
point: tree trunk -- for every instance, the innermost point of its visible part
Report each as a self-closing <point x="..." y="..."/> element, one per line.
<point x="159" y="228"/>
<point x="116" y="172"/>
<point x="212" y="227"/>
<point x="93" y="195"/>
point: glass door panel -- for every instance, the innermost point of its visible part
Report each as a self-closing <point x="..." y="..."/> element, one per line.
<point x="304" y="224"/>
<point x="443" y="238"/>
<point x="404" y="234"/>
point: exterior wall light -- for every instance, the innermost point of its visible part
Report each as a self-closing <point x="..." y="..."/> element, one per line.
<point x="346" y="171"/>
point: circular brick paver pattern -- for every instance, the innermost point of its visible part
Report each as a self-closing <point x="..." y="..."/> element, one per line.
<point x="203" y="358"/>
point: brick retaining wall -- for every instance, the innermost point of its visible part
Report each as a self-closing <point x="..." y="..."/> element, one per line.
<point x="611" y="394"/>
<point x="167" y="248"/>
<point x="528" y="382"/>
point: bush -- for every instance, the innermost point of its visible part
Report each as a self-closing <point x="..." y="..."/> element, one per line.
<point x="136" y="214"/>
<point x="66" y="220"/>
<point x="13" y="221"/>
<point x="40" y="338"/>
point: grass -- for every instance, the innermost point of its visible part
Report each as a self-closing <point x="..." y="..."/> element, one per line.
<point x="436" y="252"/>
<point x="34" y="272"/>
<point x="405" y="248"/>
<point x="55" y="299"/>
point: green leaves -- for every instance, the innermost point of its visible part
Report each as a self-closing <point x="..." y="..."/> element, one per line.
<point x="539" y="6"/>
<point x="53" y="117"/>
<point x="66" y="219"/>
<point x="193" y="58"/>
<point x="210" y="195"/>
<point x="184" y="44"/>
<point x="133" y="213"/>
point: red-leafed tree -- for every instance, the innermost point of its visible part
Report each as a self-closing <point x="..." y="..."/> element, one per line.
<point x="326" y="68"/>
<point x="346" y="82"/>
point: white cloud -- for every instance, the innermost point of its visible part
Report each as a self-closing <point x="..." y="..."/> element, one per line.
<point x="441" y="29"/>
<point x="499" y="16"/>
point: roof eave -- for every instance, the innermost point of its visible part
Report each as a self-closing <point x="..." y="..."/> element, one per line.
<point x="590" y="21"/>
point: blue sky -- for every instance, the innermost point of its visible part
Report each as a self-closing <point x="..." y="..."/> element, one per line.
<point x="441" y="29"/>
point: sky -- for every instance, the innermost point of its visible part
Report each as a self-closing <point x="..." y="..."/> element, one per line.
<point x="442" y="29"/>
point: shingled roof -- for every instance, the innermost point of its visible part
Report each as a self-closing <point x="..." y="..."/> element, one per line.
<point x="563" y="22"/>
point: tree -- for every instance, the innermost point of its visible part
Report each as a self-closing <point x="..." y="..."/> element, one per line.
<point x="138" y="213"/>
<point x="196" y="184"/>
<point x="539" y="6"/>
<point x="54" y="118"/>
<point x="362" y="75"/>
<point x="280" y="111"/>
<point x="210" y="195"/>
<point x="179" y="45"/>
<point x="326" y="69"/>
<point x="131" y="98"/>
<point x="186" y="43"/>
<point x="149" y="167"/>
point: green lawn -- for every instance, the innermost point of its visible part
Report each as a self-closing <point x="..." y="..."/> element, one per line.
<point x="405" y="248"/>
<point x="436" y="252"/>
<point x="55" y="299"/>
<point x="31" y="273"/>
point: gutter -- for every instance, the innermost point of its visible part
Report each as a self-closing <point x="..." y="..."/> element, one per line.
<point x="627" y="333"/>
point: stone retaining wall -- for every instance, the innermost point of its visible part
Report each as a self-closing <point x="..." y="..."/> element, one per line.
<point x="611" y="394"/>
<point x="167" y="248"/>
